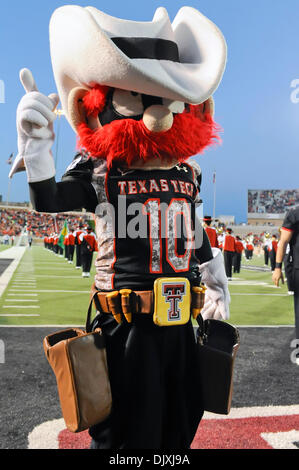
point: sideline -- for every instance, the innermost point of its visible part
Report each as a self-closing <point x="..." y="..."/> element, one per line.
<point x="16" y="253"/>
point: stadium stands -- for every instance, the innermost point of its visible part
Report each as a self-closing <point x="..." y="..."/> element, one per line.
<point x="274" y="201"/>
<point x="14" y="220"/>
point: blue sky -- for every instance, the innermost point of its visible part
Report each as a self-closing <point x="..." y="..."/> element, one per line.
<point x="260" y="147"/>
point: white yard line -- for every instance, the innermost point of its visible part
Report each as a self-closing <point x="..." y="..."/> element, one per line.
<point x="19" y="315"/>
<point x="15" y="294"/>
<point x="265" y="326"/>
<point x="38" y="326"/>
<point x="65" y="268"/>
<point x="15" y="253"/>
<point x="21" y="300"/>
<point x="21" y="306"/>
<point x="271" y="295"/>
<point x="63" y="277"/>
<point x="24" y="284"/>
<point x="16" y="281"/>
<point x="54" y="291"/>
<point x="255" y="411"/>
<point x="24" y="278"/>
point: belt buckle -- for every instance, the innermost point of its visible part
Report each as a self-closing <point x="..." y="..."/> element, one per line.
<point x="172" y="301"/>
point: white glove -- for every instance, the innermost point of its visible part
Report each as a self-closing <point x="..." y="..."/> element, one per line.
<point x="35" y="117"/>
<point x="217" y="298"/>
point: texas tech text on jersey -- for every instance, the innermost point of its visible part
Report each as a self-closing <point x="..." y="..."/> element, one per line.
<point x="156" y="185"/>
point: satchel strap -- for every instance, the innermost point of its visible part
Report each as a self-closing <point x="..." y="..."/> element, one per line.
<point x="88" y="319"/>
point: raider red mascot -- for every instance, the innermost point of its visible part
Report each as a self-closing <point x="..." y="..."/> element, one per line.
<point x="139" y="98"/>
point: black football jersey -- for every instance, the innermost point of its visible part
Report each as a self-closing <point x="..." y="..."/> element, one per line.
<point x="153" y="216"/>
<point x="146" y="222"/>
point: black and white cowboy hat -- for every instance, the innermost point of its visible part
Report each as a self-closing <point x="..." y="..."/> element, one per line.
<point x="182" y="61"/>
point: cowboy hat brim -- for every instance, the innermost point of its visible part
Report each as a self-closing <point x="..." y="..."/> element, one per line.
<point x="84" y="53"/>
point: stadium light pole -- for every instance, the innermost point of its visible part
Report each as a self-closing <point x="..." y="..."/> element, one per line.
<point x="8" y="191"/>
<point x="214" y="202"/>
<point x="59" y="113"/>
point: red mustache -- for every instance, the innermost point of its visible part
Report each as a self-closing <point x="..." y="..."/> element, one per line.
<point x="128" y="140"/>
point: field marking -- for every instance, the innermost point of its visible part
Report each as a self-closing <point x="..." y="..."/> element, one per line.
<point x="55" y="291"/>
<point x="21" y="295"/>
<point x="53" y="275"/>
<point x="46" y="435"/>
<point x="281" y="440"/>
<point x="21" y="300"/>
<point x="24" y="273"/>
<point x="15" y="281"/>
<point x="16" y="253"/>
<point x="24" y="283"/>
<point x="255" y="411"/>
<point x="19" y="315"/>
<point x="265" y="326"/>
<point x="21" y="306"/>
<point x="39" y="326"/>
<point x="49" y="431"/>
<point x="252" y="283"/>
<point x="272" y="295"/>
<point x="46" y="268"/>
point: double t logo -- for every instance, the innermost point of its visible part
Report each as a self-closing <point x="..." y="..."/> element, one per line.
<point x="174" y="294"/>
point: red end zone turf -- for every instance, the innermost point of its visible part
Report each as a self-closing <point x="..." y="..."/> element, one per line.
<point x="265" y="432"/>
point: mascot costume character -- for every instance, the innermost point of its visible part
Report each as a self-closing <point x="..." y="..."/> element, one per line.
<point x="139" y="98"/>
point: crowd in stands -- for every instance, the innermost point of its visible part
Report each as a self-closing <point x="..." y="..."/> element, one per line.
<point x="13" y="221"/>
<point x="272" y="201"/>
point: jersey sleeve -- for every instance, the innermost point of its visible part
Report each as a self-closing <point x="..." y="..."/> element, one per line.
<point x="80" y="168"/>
<point x="74" y="192"/>
<point x="290" y="221"/>
<point x="197" y="177"/>
<point x="204" y="252"/>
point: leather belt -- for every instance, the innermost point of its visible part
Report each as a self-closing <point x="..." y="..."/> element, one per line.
<point x="128" y="302"/>
<point x="140" y="302"/>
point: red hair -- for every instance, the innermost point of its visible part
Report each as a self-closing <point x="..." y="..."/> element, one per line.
<point x="94" y="101"/>
<point x="128" y="140"/>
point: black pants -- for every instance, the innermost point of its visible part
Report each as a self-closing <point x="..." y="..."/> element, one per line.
<point x="66" y="251"/>
<point x="266" y="255"/>
<point x="228" y="262"/>
<point x="86" y="260"/>
<point x="272" y="257"/>
<point x="237" y="262"/>
<point x="71" y="252"/>
<point x="78" y="256"/>
<point x="153" y="373"/>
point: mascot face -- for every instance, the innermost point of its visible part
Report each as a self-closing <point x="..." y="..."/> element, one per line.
<point x="135" y="129"/>
<point x="139" y="93"/>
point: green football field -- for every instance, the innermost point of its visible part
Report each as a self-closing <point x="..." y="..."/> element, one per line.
<point x="4" y="247"/>
<point x="46" y="290"/>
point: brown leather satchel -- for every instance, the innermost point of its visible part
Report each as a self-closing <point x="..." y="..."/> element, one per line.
<point x="218" y="342"/>
<point x="79" y="362"/>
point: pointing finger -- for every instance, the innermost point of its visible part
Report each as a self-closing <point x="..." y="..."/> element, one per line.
<point x="27" y="80"/>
